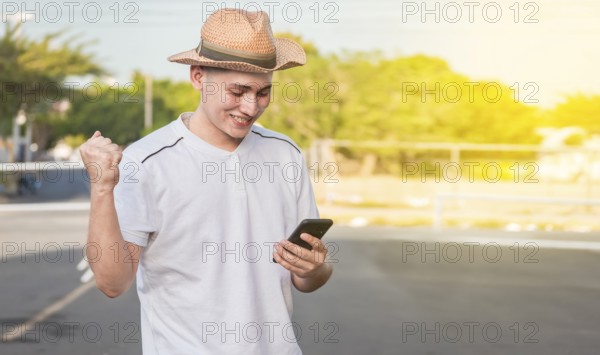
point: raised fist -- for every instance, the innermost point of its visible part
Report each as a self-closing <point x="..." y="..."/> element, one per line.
<point x="101" y="158"/>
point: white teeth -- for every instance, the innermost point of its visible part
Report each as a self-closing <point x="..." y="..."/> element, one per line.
<point x="239" y="119"/>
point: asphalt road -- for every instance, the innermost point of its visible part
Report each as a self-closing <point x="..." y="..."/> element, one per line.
<point x="388" y="294"/>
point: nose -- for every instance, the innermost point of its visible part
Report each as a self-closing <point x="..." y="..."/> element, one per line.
<point x="249" y="105"/>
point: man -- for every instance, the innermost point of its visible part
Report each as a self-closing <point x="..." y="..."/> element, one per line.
<point x="202" y="205"/>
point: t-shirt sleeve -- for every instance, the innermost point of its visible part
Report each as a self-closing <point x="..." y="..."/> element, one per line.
<point x="307" y="206"/>
<point x="134" y="203"/>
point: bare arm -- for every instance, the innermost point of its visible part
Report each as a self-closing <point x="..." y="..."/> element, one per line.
<point x="113" y="260"/>
<point x="308" y="267"/>
<point x="117" y="264"/>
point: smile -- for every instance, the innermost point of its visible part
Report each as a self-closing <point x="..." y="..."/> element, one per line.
<point x="240" y="119"/>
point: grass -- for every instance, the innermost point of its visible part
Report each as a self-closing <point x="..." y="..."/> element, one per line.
<point x="390" y="201"/>
<point x="480" y="223"/>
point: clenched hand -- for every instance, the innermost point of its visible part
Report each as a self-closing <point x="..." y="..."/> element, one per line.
<point x="101" y="158"/>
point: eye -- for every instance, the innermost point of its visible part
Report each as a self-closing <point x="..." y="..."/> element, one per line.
<point x="237" y="94"/>
<point x="263" y="93"/>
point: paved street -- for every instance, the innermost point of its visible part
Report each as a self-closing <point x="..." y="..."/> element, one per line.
<point x="388" y="294"/>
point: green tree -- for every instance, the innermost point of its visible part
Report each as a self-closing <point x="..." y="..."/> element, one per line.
<point x="578" y="110"/>
<point x="305" y="101"/>
<point x="352" y="96"/>
<point x="117" y="111"/>
<point x="33" y="72"/>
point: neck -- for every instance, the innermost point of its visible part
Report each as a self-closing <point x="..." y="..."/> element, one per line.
<point x="202" y="127"/>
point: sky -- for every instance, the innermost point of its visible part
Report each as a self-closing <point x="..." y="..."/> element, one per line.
<point x="548" y="49"/>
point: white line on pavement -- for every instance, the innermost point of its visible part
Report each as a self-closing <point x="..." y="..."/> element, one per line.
<point x="48" y="311"/>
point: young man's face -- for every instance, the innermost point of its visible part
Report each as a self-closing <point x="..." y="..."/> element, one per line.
<point x="232" y="101"/>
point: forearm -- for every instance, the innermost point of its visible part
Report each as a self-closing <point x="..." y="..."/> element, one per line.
<point x="107" y="251"/>
<point x="313" y="283"/>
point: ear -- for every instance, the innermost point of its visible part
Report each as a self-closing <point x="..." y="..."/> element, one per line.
<point x="197" y="76"/>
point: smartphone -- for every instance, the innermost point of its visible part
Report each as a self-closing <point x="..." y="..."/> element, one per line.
<point x="315" y="227"/>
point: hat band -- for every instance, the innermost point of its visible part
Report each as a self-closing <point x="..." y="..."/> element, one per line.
<point x="222" y="54"/>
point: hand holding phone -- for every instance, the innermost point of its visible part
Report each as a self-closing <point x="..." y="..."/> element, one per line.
<point x="315" y="227"/>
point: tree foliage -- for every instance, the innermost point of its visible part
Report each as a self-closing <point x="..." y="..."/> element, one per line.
<point x="350" y="95"/>
<point x="32" y="72"/>
<point x="577" y="110"/>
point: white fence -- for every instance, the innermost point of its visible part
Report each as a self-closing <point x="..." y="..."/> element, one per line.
<point x="438" y="210"/>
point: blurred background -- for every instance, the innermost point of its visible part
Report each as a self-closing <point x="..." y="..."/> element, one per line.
<point x="423" y="124"/>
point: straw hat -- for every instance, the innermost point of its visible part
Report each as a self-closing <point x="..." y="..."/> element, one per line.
<point x="241" y="40"/>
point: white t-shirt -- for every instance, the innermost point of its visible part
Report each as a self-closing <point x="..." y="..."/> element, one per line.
<point x="208" y="220"/>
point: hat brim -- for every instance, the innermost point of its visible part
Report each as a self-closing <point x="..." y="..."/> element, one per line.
<point x="289" y="54"/>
